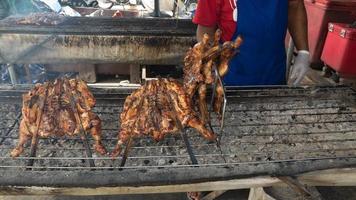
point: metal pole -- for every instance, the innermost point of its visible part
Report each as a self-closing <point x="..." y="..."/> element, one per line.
<point x="157" y="11"/>
<point x="12" y="73"/>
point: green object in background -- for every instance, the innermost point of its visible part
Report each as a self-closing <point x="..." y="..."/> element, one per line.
<point x="4" y="9"/>
<point x="16" y="7"/>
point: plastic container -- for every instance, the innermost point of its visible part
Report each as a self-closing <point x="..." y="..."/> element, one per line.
<point x="339" y="52"/>
<point x="320" y="13"/>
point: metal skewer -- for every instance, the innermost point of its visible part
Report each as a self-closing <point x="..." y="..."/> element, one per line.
<point x="215" y="83"/>
<point x="189" y="147"/>
<point x="126" y="152"/>
<point x="83" y="133"/>
<point x="34" y="141"/>
<point x="217" y="80"/>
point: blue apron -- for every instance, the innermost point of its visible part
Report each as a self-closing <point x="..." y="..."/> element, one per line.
<point x="262" y="57"/>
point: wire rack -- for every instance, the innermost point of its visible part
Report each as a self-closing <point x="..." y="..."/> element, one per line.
<point x="271" y="125"/>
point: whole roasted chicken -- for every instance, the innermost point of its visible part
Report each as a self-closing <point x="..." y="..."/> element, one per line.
<point x="199" y="65"/>
<point x="165" y="106"/>
<point x="158" y="108"/>
<point x="62" y="107"/>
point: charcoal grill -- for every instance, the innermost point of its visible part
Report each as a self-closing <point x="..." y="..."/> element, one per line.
<point x="277" y="131"/>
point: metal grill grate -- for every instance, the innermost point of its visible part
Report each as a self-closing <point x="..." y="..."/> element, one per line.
<point x="275" y="125"/>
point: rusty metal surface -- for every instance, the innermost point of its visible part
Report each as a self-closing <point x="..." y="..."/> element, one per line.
<point x="105" y="26"/>
<point x="66" y="49"/>
<point x="97" y="40"/>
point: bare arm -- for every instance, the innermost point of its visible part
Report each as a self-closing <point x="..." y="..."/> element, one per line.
<point x="201" y="30"/>
<point x="298" y="24"/>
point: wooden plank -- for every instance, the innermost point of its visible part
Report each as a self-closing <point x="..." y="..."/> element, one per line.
<point x="299" y="188"/>
<point x="333" y="177"/>
<point x="213" y="195"/>
<point x="259" y="194"/>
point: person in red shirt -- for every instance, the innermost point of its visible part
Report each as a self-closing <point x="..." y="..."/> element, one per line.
<point x="263" y="25"/>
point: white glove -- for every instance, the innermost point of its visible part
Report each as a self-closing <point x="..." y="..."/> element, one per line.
<point x="105" y="4"/>
<point x="300" y="67"/>
<point x="53" y="4"/>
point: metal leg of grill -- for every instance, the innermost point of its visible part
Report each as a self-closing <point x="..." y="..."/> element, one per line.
<point x="12" y="73"/>
<point x="157" y="11"/>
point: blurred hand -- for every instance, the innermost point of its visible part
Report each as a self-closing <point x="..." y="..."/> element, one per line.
<point x="300" y="67"/>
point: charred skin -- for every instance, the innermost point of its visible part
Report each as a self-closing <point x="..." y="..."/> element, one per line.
<point x="58" y="118"/>
<point x="155" y="109"/>
<point x="219" y="100"/>
<point x="203" y="107"/>
<point x="207" y="71"/>
<point x="163" y="106"/>
<point x="193" y="66"/>
<point x="228" y="51"/>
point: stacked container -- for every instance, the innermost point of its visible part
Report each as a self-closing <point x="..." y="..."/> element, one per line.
<point x="320" y="13"/>
<point x="340" y="49"/>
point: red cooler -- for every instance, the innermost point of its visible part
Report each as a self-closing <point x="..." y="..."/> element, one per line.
<point x="340" y="49"/>
<point x="320" y="13"/>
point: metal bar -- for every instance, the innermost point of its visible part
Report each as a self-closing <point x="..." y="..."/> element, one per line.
<point x="231" y="164"/>
<point x="34" y="141"/>
<point x="126" y="152"/>
<point x="12" y="73"/>
<point x="298" y="187"/>
<point x="189" y="148"/>
<point x="175" y="156"/>
<point x="200" y="145"/>
<point x="157" y="11"/>
<point x="84" y="137"/>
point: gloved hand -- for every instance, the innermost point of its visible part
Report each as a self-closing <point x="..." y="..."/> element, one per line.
<point x="300" y="67"/>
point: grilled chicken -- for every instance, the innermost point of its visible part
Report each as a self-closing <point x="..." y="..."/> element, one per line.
<point x="156" y="109"/>
<point x="227" y="52"/>
<point x="47" y="110"/>
<point x="165" y="106"/>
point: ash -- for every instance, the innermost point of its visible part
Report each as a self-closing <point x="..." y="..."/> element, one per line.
<point x="260" y="126"/>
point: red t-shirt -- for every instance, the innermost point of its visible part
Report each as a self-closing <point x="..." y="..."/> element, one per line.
<point x="217" y="13"/>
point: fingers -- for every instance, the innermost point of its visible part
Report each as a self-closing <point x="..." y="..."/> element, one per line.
<point x="300" y="76"/>
<point x="293" y="76"/>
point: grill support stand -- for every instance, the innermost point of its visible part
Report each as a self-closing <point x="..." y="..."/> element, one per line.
<point x="12" y="73"/>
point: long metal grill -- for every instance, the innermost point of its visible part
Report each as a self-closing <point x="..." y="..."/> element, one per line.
<point x="262" y="126"/>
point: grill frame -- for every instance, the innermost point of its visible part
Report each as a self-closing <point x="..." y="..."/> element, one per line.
<point x="148" y="176"/>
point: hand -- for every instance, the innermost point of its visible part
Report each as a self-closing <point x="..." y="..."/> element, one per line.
<point x="300" y="67"/>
